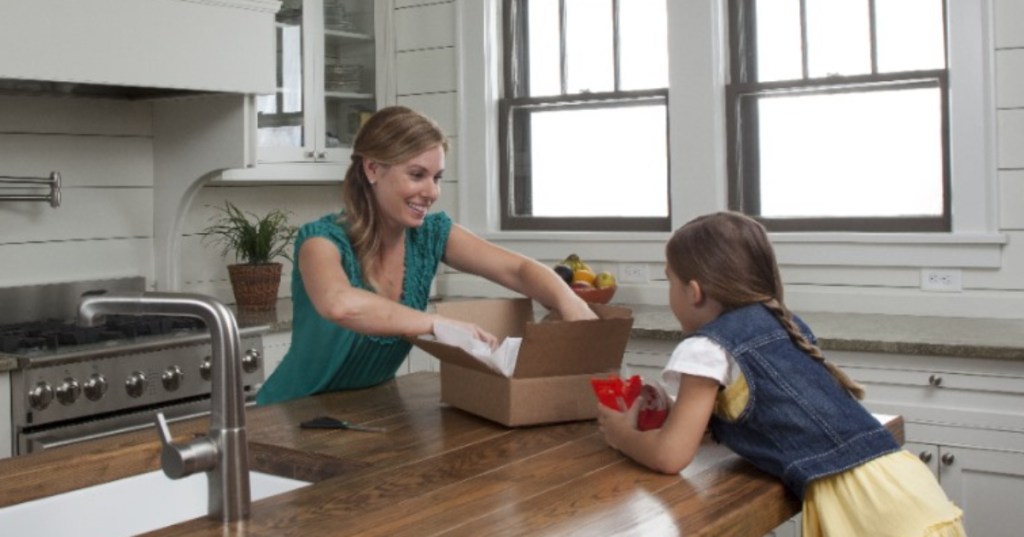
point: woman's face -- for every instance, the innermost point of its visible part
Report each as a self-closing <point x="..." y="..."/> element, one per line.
<point x="405" y="191"/>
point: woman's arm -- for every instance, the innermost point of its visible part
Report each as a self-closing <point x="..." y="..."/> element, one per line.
<point x="467" y="252"/>
<point x="671" y="448"/>
<point x="336" y="300"/>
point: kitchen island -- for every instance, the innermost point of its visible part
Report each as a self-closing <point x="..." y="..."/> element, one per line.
<point x="438" y="471"/>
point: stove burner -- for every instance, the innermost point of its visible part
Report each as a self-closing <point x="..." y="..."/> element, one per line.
<point x="52" y="335"/>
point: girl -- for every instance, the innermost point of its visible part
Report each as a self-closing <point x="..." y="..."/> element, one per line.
<point x="750" y="369"/>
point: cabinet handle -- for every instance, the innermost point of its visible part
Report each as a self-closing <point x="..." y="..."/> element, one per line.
<point x="925" y="456"/>
<point x="308" y="154"/>
<point x="948" y="458"/>
<point x="935" y="380"/>
<point x="322" y="155"/>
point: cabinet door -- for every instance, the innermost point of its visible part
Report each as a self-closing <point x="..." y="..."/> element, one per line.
<point x="928" y="453"/>
<point x="988" y="486"/>
<point x="348" y="73"/>
<point x="327" y="61"/>
<point x="284" y="121"/>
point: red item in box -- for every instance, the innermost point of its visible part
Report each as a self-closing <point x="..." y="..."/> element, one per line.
<point x="608" y="390"/>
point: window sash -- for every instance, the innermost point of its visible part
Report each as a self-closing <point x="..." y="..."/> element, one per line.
<point x="743" y="132"/>
<point x="514" y="187"/>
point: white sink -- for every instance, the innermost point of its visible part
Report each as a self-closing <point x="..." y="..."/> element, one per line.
<point x="129" y="506"/>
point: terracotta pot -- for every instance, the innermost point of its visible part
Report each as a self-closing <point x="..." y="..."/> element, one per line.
<point x="255" y="286"/>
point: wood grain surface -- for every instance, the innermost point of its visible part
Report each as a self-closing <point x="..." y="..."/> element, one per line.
<point x="439" y="471"/>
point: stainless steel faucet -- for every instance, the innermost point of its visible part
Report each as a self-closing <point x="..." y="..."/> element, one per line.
<point x="223" y="454"/>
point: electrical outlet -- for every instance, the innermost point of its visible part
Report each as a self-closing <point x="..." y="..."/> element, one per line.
<point x="947" y="280"/>
<point x="633" y="273"/>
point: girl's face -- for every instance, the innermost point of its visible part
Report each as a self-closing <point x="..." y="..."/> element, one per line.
<point x="405" y="191"/>
<point x="681" y="301"/>
<point x="690" y="304"/>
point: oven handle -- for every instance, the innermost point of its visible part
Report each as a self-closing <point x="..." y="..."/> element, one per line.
<point x="47" y="440"/>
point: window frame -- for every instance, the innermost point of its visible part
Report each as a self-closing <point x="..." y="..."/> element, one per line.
<point x="743" y="155"/>
<point x="514" y="181"/>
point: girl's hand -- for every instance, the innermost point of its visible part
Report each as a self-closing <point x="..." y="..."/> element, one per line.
<point x="615" y="424"/>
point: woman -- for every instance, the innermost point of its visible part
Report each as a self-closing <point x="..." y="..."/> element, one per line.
<point x="362" y="276"/>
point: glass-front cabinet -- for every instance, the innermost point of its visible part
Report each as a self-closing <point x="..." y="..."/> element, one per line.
<point x="327" y="64"/>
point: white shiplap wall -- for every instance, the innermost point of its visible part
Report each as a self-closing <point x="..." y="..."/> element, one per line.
<point x="104" y="149"/>
<point x="104" y="226"/>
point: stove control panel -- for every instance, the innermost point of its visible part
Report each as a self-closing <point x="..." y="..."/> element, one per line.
<point x="145" y="377"/>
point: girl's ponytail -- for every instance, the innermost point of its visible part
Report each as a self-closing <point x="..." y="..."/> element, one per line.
<point x="786" y="318"/>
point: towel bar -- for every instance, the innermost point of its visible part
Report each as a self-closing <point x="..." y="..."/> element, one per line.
<point x="53" y="182"/>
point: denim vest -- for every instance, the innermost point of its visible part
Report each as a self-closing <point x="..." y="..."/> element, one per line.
<point x="799" y="423"/>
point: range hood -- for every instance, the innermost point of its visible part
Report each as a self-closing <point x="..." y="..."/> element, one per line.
<point x="137" y="48"/>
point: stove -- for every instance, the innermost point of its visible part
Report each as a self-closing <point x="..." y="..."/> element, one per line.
<point x="74" y="383"/>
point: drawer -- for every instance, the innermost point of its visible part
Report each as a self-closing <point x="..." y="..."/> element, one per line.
<point x="986" y="394"/>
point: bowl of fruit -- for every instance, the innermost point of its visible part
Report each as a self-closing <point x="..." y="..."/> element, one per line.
<point x="593" y="287"/>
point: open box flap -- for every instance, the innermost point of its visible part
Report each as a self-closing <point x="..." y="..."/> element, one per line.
<point x="556" y="348"/>
<point x="501" y="316"/>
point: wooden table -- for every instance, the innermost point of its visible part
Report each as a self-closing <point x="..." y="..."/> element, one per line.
<point x="440" y="471"/>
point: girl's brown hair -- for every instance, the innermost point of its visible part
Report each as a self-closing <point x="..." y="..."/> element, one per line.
<point x="391" y="136"/>
<point x="730" y="256"/>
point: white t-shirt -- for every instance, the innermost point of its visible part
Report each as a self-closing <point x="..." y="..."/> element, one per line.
<point x="701" y="357"/>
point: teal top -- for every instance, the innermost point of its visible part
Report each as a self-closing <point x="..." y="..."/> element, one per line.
<point x="327" y="357"/>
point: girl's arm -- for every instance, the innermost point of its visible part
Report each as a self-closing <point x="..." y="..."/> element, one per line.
<point x="467" y="252"/>
<point x="336" y="300"/>
<point x="672" y="447"/>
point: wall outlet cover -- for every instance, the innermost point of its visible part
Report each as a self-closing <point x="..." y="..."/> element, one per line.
<point x="944" y="280"/>
<point x="634" y="273"/>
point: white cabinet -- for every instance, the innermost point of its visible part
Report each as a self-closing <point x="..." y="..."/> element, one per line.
<point x="275" y="346"/>
<point x="964" y="417"/>
<point x="328" y="55"/>
<point x="986" y="484"/>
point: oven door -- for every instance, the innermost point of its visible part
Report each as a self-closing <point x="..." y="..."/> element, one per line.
<point x="34" y="439"/>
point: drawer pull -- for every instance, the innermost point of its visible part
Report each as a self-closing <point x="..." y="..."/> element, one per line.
<point x="925" y="456"/>
<point x="948" y="458"/>
<point x="935" y="380"/>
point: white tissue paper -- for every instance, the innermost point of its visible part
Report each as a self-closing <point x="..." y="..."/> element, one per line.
<point x="502" y="360"/>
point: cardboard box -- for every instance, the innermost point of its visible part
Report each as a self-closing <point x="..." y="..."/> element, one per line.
<point x="557" y="359"/>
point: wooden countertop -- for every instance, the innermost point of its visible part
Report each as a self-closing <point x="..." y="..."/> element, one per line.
<point x="438" y="471"/>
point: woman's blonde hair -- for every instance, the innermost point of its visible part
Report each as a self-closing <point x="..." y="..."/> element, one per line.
<point x="730" y="256"/>
<point x="390" y="136"/>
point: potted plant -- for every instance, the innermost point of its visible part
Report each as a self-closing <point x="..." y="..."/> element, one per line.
<point x="256" y="242"/>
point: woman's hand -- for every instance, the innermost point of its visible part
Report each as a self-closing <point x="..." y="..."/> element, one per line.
<point x="473" y="330"/>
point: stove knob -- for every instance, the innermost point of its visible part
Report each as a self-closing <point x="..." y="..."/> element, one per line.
<point x="171" y="378"/>
<point x="68" y="391"/>
<point x="136" y="384"/>
<point x="95" y="387"/>
<point x="251" y="360"/>
<point x="206" y="368"/>
<point x="41" y="396"/>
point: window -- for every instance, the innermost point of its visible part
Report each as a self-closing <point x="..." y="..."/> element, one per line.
<point x="837" y="114"/>
<point x="584" y="121"/>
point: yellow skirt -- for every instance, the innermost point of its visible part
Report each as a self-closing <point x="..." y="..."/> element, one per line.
<point x="892" y="496"/>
